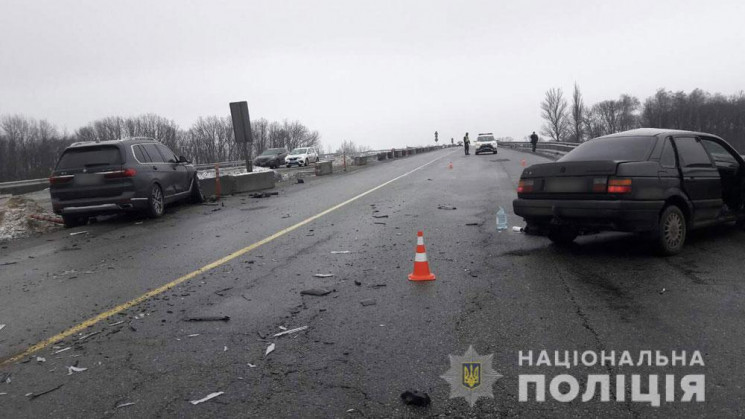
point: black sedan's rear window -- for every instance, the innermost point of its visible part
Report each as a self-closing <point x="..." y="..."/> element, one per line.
<point x="615" y="149"/>
<point x="82" y="157"/>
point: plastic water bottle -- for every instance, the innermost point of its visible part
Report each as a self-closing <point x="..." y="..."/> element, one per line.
<point x="501" y="220"/>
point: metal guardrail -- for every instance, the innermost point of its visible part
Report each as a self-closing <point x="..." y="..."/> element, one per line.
<point x="33" y="185"/>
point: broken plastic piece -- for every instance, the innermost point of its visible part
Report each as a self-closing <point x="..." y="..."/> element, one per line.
<point x="368" y="302"/>
<point x="251" y="365"/>
<point x="40" y="359"/>
<point x="318" y="292"/>
<point x="416" y="398"/>
<point x="208" y="319"/>
<point x="323" y="275"/>
<point x="62" y="350"/>
<point x="2" y="326"/>
<point x="208" y="397"/>
<point x="269" y="349"/>
<point x="71" y="370"/>
<point x="517" y="229"/>
<point x="287" y="332"/>
<point x="340" y="252"/>
<point x="125" y="405"/>
<point x="75" y="233"/>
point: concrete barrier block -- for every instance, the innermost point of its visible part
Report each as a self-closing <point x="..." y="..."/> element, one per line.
<point x="360" y="161"/>
<point x="324" y="168"/>
<point x="250" y="182"/>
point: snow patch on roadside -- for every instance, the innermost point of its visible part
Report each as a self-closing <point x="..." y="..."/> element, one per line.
<point x="15" y="222"/>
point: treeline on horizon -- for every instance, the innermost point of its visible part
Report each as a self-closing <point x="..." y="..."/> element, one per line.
<point x="572" y="120"/>
<point x="29" y="148"/>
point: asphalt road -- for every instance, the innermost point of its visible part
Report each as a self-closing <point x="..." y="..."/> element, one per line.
<point x="500" y="292"/>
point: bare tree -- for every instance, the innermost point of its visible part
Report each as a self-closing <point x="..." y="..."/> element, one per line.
<point x="554" y="108"/>
<point x="578" y="116"/>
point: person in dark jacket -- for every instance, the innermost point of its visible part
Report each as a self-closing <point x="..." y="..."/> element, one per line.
<point x="534" y="140"/>
<point x="466" y="143"/>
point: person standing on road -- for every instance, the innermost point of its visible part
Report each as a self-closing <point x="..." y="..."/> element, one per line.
<point x="534" y="140"/>
<point x="466" y="143"/>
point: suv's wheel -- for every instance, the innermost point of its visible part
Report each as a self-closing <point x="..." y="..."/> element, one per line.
<point x="562" y="234"/>
<point x="196" y="196"/>
<point x="71" y="221"/>
<point x="156" y="202"/>
<point x="672" y="230"/>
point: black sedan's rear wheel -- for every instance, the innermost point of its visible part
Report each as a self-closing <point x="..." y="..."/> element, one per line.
<point x="562" y="235"/>
<point x="156" y="202"/>
<point x="672" y="230"/>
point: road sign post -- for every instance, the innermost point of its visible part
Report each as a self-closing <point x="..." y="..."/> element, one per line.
<point x="242" y="130"/>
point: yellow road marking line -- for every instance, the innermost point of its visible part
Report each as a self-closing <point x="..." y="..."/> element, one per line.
<point x="131" y="303"/>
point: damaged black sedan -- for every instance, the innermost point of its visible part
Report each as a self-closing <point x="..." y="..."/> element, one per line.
<point x="662" y="182"/>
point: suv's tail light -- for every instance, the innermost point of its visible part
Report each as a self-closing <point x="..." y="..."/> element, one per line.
<point x="619" y="186"/>
<point x="120" y="173"/>
<point x="525" y="185"/>
<point x="56" y="180"/>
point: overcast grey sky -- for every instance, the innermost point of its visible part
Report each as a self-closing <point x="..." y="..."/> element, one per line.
<point x="381" y="73"/>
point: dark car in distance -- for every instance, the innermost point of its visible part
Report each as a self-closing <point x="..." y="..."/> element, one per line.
<point x="658" y="181"/>
<point x="133" y="174"/>
<point x="271" y="158"/>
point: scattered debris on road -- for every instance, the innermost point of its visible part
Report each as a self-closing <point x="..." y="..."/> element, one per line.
<point x="263" y="194"/>
<point x="193" y="335"/>
<point x="416" y="398"/>
<point x="207" y="319"/>
<point x="300" y="180"/>
<point x="517" y="229"/>
<point x="446" y="207"/>
<point x="358" y="283"/>
<point x="40" y="359"/>
<point x="662" y="291"/>
<point x="250" y="365"/>
<point x="208" y="397"/>
<point x="35" y="395"/>
<point x="368" y="302"/>
<point x="7" y="263"/>
<point x="380" y="216"/>
<point x="323" y="275"/>
<point x="222" y="291"/>
<point x="340" y="252"/>
<point x="473" y="224"/>
<point x="72" y="369"/>
<point x="119" y="406"/>
<point x="62" y="350"/>
<point x="76" y="233"/>
<point x="2" y="326"/>
<point x="82" y="338"/>
<point x="318" y="292"/>
<point x="269" y="349"/>
<point x="287" y="332"/>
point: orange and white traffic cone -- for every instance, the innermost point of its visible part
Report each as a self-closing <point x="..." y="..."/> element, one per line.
<point x="523" y="163"/>
<point x="421" y="266"/>
<point x="450" y="166"/>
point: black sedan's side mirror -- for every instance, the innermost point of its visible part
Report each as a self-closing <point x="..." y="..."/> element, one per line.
<point x="182" y="159"/>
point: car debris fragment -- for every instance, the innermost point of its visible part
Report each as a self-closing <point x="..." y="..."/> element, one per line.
<point x="62" y="350"/>
<point x="32" y="396"/>
<point x="269" y="349"/>
<point x="208" y="397"/>
<point x="368" y="302"/>
<point x="75" y="233"/>
<point x="119" y="406"/>
<point x="340" y="252"/>
<point x="287" y="332"/>
<point x="2" y="326"/>
<point x="323" y="275"/>
<point x="72" y="369"/>
<point x="207" y="319"/>
<point x="446" y="207"/>
<point x="318" y="292"/>
<point x="416" y="398"/>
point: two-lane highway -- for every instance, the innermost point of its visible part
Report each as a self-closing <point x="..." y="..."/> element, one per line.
<point x="375" y="334"/>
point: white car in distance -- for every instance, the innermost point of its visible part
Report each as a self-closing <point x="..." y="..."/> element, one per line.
<point x="302" y="156"/>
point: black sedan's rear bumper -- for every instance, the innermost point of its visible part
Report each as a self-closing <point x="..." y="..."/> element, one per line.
<point x="616" y="215"/>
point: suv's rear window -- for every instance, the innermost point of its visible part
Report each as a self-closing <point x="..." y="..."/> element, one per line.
<point x="616" y="149"/>
<point x="81" y="157"/>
